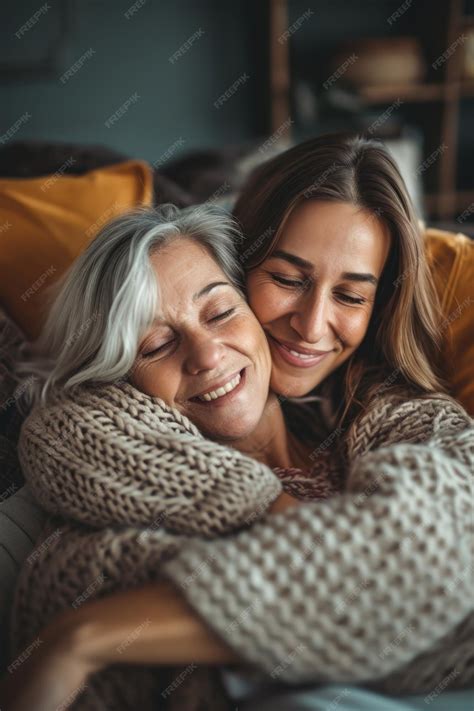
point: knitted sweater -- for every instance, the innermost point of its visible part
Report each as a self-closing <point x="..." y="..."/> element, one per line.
<point x="369" y="583"/>
<point x="125" y="478"/>
<point x="374" y="585"/>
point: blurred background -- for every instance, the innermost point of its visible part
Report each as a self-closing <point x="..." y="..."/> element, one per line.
<point x="206" y="89"/>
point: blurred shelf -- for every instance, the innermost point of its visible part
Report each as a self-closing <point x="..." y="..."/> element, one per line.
<point x="403" y="92"/>
<point x="436" y="104"/>
<point x="415" y="93"/>
<point x="459" y="200"/>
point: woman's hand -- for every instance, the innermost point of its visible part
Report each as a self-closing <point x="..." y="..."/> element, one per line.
<point x="54" y="675"/>
<point x="152" y="624"/>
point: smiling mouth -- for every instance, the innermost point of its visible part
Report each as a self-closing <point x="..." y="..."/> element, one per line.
<point x="223" y="392"/>
<point x="303" y="358"/>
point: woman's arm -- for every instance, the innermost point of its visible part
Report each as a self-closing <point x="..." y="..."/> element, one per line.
<point x="115" y="456"/>
<point x="153" y="624"/>
<point x="377" y="582"/>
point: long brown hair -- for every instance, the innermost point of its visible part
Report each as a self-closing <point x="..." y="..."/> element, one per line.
<point x="402" y="343"/>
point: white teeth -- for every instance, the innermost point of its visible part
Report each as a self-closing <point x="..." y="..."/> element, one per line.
<point x="215" y="394"/>
<point x="303" y="356"/>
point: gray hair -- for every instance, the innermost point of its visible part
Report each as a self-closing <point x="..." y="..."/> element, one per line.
<point x="109" y="297"/>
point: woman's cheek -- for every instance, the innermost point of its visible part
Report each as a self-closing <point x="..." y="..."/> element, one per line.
<point x="267" y="305"/>
<point x="353" y="327"/>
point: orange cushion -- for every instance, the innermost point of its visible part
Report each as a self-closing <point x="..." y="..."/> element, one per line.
<point x="47" y="222"/>
<point x="451" y="257"/>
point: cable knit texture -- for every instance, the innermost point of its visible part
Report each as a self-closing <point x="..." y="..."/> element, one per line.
<point x="125" y="479"/>
<point x="374" y="585"/>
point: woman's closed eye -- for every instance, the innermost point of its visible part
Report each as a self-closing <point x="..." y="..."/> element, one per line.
<point x="298" y="283"/>
<point x="222" y="315"/>
<point x="159" y="349"/>
<point x="164" y="347"/>
<point x="304" y="283"/>
<point x="351" y="299"/>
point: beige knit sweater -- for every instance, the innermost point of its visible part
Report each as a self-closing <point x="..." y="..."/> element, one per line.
<point x="372" y="584"/>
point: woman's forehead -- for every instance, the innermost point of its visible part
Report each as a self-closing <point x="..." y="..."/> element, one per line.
<point x="338" y="234"/>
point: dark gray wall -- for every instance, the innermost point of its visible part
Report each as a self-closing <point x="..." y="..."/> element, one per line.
<point x="131" y="56"/>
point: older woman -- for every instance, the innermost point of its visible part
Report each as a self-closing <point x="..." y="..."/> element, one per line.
<point x="347" y="589"/>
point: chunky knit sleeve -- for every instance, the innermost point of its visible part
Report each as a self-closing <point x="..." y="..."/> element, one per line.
<point x="374" y="581"/>
<point x="114" y="456"/>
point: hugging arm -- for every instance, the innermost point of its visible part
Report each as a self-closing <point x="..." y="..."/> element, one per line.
<point x="371" y="585"/>
<point x="79" y="643"/>
<point x="119" y="457"/>
<point x="357" y="587"/>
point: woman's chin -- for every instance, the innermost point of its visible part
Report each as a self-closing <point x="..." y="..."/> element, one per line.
<point x="286" y="385"/>
<point x="230" y="433"/>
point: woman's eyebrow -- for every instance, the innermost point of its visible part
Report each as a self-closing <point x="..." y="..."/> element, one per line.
<point x="292" y="258"/>
<point x="303" y="263"/>
<point x="158" y="321"/>
<point x="359" y="276"/>
<point x="209" y="288"/>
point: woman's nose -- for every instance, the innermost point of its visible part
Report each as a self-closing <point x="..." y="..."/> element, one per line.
<point x="204" y="353"/>
<point x="311" y="319"/>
